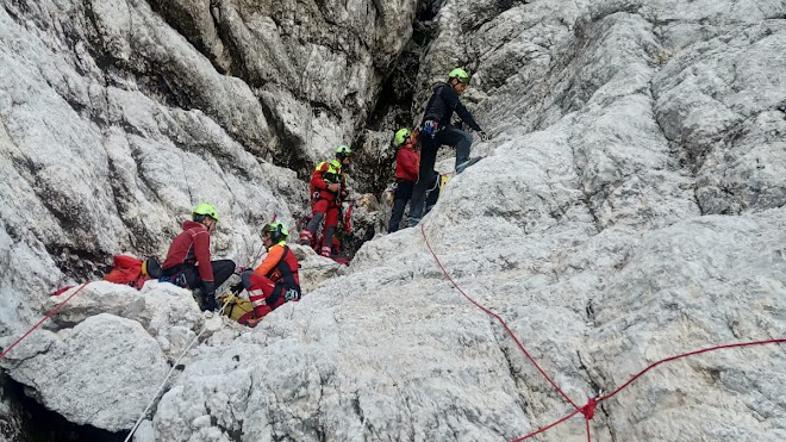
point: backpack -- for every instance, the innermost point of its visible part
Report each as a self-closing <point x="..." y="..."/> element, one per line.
<point x="129" y="270"/>
<point x="237" y="308"/>
<point x="151" y="267"/>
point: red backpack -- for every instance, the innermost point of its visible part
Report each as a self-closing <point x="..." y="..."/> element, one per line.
<point x="133" y="271"/>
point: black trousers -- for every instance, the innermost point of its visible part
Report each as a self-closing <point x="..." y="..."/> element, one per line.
<point x="432" y="193"/>
<point x="400" y="199"/>
<point x="222" y="270"/>
<point x="449" y="136"/>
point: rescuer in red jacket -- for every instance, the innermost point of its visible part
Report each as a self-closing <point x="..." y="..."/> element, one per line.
<point x="407" y="166"/>
<point x="188" y="263"/>
<point x="328" y="189"/>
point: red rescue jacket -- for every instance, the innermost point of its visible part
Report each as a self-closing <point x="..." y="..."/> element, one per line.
<point x="326" y="173"/>
<point x="407" y="163"/>
<point x="191" y="247"/>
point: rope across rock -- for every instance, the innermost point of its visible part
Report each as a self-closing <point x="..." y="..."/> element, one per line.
<point x="588" y="409"/>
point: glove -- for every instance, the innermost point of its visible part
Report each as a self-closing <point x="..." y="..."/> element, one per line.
<point x="209" y="289"/>
<point x="430" y="128"/>
<point x="484" y="136"/>
<point x="239" y="270"/>
<point x="209" y="296"/>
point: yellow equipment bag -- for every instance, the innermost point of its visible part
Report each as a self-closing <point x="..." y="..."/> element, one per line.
<point x="238" y="309"/>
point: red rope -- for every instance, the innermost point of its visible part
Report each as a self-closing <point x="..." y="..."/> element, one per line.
<point x="52" y="312"/>
<point x="588" y="410"/>
<point x="547" y="427"/>
<point x="501" y="321"/>
<point x="685" y="355"/>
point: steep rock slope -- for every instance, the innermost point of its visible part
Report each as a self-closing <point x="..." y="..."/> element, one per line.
<point x="589" y="227"/>
<point x="118" y="117"/>
<point x="630" y="207"/>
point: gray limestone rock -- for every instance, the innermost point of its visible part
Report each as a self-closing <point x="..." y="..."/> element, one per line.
<point x="102" y="372"/>
<point x="629" y="207"/>
<point x="168" y="313"/>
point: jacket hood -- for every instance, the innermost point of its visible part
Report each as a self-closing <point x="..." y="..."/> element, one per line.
<point x="191" y="224"/>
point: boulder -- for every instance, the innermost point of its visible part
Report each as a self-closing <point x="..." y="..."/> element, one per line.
<point x="103" y="372"/>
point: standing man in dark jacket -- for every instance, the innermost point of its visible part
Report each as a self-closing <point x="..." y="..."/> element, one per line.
<point x="188" y="261"/>
<point x="435" y="131"/>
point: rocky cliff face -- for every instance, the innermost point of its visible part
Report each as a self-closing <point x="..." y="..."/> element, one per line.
<point x="629" y="207"/>
<point x="119" y="117"/>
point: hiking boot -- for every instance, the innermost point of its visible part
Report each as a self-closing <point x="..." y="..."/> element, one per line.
<point x="461" y="167"/>
<point x="252" y="322"/>
<point x="306" y="237"/>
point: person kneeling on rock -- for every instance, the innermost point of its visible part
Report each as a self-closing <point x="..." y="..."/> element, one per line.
<point x="188" y="263"/>
<point x="276" y="280"/>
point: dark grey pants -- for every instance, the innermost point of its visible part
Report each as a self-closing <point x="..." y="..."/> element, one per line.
<point x="449" y="136"/>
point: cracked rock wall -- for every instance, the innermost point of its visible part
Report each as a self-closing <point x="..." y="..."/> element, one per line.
<point x="620" y="216"/>
<point x="629" y="207"/>
<point x="117" y="117"/>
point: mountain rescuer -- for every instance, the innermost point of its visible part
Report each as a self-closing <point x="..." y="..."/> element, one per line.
<point x="276" y="280"/>
<point x="188" y="263"/>
<point x="328" y="189"/>
<point x="436" y="130"/>
<point x="407" y="165"/>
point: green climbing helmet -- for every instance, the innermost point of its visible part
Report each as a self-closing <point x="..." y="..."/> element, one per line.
<point x="401" y="136"/>
<point x="460" y="75"/>
<point x="343" y="151"/>
<point x="204" y="209"/>
<point x="278" y="232"/>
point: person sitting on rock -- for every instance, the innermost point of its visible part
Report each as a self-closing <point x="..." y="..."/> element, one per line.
<point x="435" y="131"/>
<point x="328" y="188"/>
<point x="407" y="165"/>
<point x="276" y="280"/>
<point x="188" y="261"/>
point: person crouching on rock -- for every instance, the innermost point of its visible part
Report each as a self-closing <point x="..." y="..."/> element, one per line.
<point x="328" y="189"/>
<point x="407" y="165"/>
<point x="188" y="263"/>
<point x="276" y="280"/>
